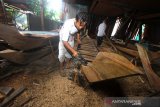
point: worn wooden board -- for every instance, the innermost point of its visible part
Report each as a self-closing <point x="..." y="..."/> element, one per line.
<point x="25" y="41"/>
<point x="153" y="78"/>
<point x="20" y="57"/>
<point x="6" y="90"/>
<point x="108" y="66"/>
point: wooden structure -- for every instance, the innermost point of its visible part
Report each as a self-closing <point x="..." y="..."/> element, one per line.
<point x="26" y="46"/>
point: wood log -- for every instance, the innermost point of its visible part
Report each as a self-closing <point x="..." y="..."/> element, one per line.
<point x="153" y="78"/>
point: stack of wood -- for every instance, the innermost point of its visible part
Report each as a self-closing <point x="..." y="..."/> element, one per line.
<point x="110" y="63"/>
<point x="88" y="49"/>
<point x="8" y="94"/>
<point x="25" y="47"/>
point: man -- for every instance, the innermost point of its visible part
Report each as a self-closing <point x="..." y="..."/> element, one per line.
<point x="101" y="33"/>
<point x="69" y="30"/>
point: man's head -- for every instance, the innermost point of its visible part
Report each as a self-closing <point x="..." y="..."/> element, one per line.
<point x="81" y="20"/>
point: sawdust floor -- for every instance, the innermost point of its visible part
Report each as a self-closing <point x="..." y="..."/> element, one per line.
<point x="48" y="89"/>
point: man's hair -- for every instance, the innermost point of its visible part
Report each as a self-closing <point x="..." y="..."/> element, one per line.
<point x="82" y="16"/>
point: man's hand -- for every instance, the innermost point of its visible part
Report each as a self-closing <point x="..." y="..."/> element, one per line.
<point x="75" y="53"/>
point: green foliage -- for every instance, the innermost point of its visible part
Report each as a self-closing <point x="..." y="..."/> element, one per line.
<point x="34" y="6"/>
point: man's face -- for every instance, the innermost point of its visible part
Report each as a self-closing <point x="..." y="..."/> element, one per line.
<point x="80" y="24"/>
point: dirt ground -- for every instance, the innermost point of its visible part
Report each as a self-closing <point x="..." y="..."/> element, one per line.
<point x="48" y="89"/>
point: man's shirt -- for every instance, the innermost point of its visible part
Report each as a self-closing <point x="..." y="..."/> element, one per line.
<point x="67" y="33"/>
<point x="101" y="29"/>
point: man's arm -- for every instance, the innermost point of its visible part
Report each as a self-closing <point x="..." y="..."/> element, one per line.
<point x="67" y="45"/>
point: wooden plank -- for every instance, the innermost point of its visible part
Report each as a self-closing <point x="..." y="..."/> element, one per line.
<point x="117" y="59"/>
<point x="106" y="67"/>
<point x="90" y="74"/>
<point x="23" y="41"/>
<point x="111" y="70"/>
<point x="153" y="78"/>
<point x="6" y="90"/>
<point x="12" y="96"/>
<point x="24" y="57"/>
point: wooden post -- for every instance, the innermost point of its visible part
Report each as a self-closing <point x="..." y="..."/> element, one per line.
<point x="42" y="14"/>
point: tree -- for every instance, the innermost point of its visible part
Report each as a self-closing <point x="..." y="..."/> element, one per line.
<point x="34" y="6"/>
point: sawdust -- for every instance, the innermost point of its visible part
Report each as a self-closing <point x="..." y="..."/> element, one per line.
<point x="48" y="89"/>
